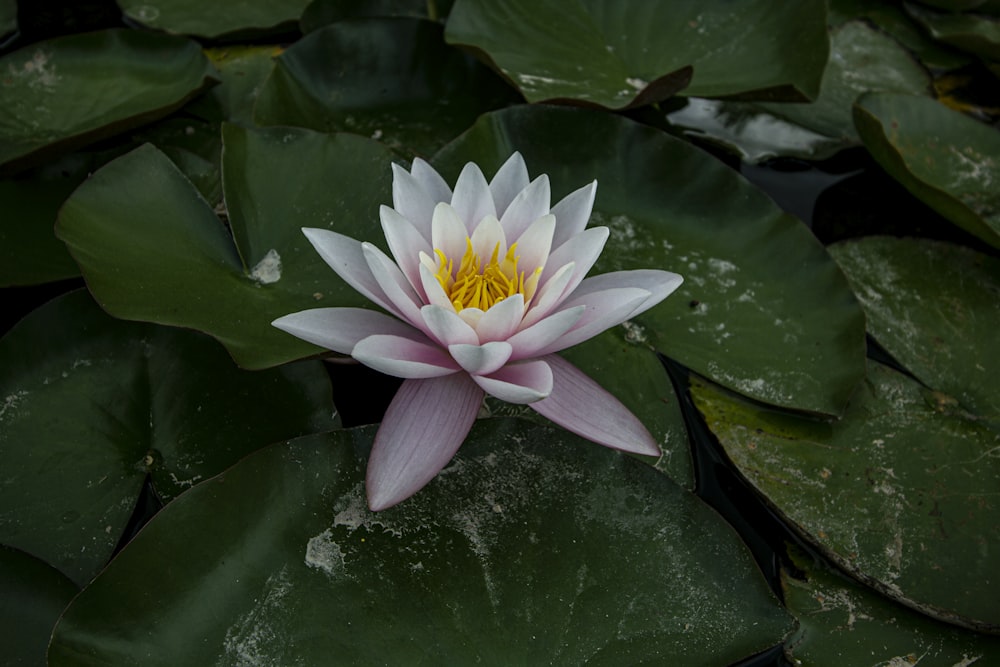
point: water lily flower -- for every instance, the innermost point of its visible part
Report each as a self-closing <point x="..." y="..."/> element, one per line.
<point x="488" y="284"/>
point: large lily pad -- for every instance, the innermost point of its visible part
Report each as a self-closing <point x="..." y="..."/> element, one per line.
<point x="33" y="596"/>
<point x="532" y="547"/>
<point x="900" y="492"/>
<point x="975" y="33"/>
<point x="191" y="17"/>
<point x="945" y="158"/>
<point x="91" y="405"/>
<point x="763" y="309"/>
<point x="936" y="308"/>
<point x="390" y="79"/>
<point x="242" y="71"/>
<point x="69" y="91"/>
<point x="623" y="53"/>
<point x="322" y="13"/>
<point x="842" y="623"/>
<point x="161" y="255"/>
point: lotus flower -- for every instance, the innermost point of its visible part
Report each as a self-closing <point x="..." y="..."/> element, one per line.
<point x="486" y="287"/>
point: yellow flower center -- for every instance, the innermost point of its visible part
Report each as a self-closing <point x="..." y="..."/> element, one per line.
<point x="475" y="286"/>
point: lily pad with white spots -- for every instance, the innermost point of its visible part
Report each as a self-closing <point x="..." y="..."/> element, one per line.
<point x="533" y="546"/>
<point x="943" y="157"/>
<point x="215" y="19"/>
<point x="900" y="492"/>
<point x="763" y="309"/>
<point x="90" y="406"/>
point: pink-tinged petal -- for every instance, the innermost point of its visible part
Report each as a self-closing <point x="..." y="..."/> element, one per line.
<point x="481" y="359"/>
<point x="432" y="183"/>
<point x="659" y="284"/>
<point x="534" y="244"/>
<point x="347" y="258"/>
<point x="471" y="316"/>
<point x="603" y="311"/>
<point x="340" y="329"/>
<point x="529" y="205"/>
<point x="520" y="383"/>
<point x="509" y="180"/>
<point x="448" y="233"/>
<point x="447" y="327"/>
<point x="572" y="213"/>
<point x="392" y="281"/>
<point x="404" y="357"/>
<point x="501" y="320"/>
<point x="472" y="198"/>
<point x="529" y="341"/>
<point x="582" y="406"/>
<point x="422" y="429"/>
<point x="412" y="201"/>
<point x="583" y="250"/>
<point x="432" y="288"/>
<point x="406" y="244"/>
<point x="486" y="238"/>
<point x="549" y="295"/>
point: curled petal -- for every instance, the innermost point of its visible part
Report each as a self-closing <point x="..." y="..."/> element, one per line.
<point x="529" y="205"/>
<point x="582" y="406"/>
<point x="509" y="180"/>
<point x="448" y="232"/>
<point x="422" y="429"/>
<point x="524" y="382"/>
<point x="447" y="327"/>
<point x="412" y="201"/>
<point x="340" y="329"/>
<point x="346" y="257"/>
<point x="603" y="311"/>
<point x="659" y="284"/>
<point x="501" y="320"/>
<point x="404" y="357"/>
<point x="527" y="342"/>
<point x="481" y="359"/>
<point x="405" y="243"/>
<point x="472" y="199"/>
<point x="572" y="213"/>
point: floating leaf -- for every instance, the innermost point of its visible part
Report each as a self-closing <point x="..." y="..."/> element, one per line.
<point x="842" y="623"/>
<point x="621" y="53"/>
<point x="936" y="308"/>
<point x="788" y="332"/>
<point x="532" y="547"/>
<point x="900" y="493"/>
<point x="243" y="71"/>
<point x="191" y="17"/>
<point x="974" y="33"/>
<point x="390" y="79"/>
<point x="89" y="405"/>
<point x="161" y="255"/>
<point x="943" y="157"/>
<point x="70" y="91"/>
<point x="322" y="13"/>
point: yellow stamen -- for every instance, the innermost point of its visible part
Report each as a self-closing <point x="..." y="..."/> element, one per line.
<point x="475" y="286"/>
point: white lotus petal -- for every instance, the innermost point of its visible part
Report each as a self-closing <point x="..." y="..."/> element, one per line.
<point x="520" y="383"/>
<point x="509" y="180"/>
<point x="447" y="327"/>
<point x="481" y="359"/>
<point x="583" y="250"/>
<point x="412" y="201"/>
<point x="432" y="288"/>
<point x="431" y="182"/>
<point x="403" y="357"/>
<point x="448" y="232"/>
<point x="346" y="257"/>
<point x="527" y="342"/>
<point x="534" y="244"/>
<point x="529" y="205"/>
<point x="392" y="281"/>
<point x="659" y="284"/>
<point x="486" y="237"/>
<point x="549" y="295"/>
<point x="502" y="320"/>
<point x="406" y="245"/>
<point x="572" y="213"/>
<point x="603" y="311"/>
<point x="340" y="329"/>
<point x="471" y="316"/>
<point x="472" y="198"/>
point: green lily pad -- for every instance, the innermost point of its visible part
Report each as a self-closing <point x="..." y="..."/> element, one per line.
<point x="532" y="547"/>
<point x="69" y="91"/>
<point x="943" y="157"/>
<point x="213" y="19"/>
<point x="625" y="53"/>
<point x="842" y="623"/>
<point x="390" y="79"/>
<point x="974" y="33"/>
<point x="788" y="332"/>
<point x="899" y="493"/>
<point x="936" y="308"/>
<point x="32" y="598"/>
<point x="321" y="13"/>
<point x="243" y="71"/>
<point x="91" y="405"/>
<point x="161" y="255"/>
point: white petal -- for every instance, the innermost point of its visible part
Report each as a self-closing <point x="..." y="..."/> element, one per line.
<point x="404" y="357"/>
<point x="448" y="233"/>
<point x="603" y="311"/>
<point x="549" y="295"/>
<point x="481" y="359"/>
<point x="534" y="244"/>
<point x="572" y="213"/>
<point x="406" y="244"/>
<point x="346" y="257"/>
<point x="472" y="316"/>
<point x="519" y="383"/>
<point x="501" y="320"/>
<point x="432" y="288"/>
<point x="340" y="329"/>
<point x="472" y="198"/>
<point x="447" y="327"/>
<point x="431" y="182"/>
<point x="424" y="426"/>
<point x="509" y="180"/>
<point x="394" y="284"/>
<point x="583" y="250"/>
<point x="529" y="205"/>
<point x="412" y="201"/>
<point x="659" y="284"/>
<point x="486" y="237"/>
<point x="529" y="341"/>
